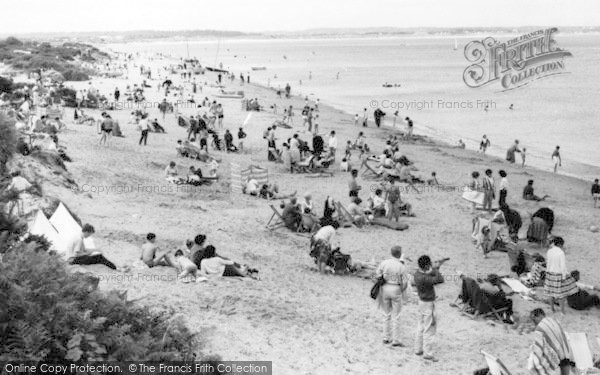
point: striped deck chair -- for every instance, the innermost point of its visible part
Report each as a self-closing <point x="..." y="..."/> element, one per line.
<point x="496" y="367"/>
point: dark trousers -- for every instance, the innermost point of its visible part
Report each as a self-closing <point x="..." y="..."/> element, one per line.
<point x="144" y="137"/>
<point x="502" y="198"/>
<point x="93" y="259"/>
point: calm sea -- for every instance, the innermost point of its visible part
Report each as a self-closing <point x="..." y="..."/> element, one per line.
<point x="349" y="74"/>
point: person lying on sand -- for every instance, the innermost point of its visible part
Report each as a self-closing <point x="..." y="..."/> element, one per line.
<point x="582" y="300"/>
<point x="528" y="194"/>
<point x="271" y="191"/>
<point x="149" y="253"/>
<point x="215" y="266"/>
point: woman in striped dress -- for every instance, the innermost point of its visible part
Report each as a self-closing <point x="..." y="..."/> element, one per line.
<point x="558" y="285"/>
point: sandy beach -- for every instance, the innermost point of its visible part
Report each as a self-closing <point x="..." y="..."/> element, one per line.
<point x="303" y="321"/>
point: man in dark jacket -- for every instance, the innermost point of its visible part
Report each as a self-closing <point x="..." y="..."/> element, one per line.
<point x="426" y="277"/>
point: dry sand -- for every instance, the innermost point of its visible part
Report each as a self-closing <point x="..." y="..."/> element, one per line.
<point x="305" y="322"/>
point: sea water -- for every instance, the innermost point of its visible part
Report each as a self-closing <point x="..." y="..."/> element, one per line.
<point x="349" y="74"/>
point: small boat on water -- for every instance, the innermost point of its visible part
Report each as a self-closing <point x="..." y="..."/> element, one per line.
<point x="259" y="68"/>
<point x="388" y="85"/>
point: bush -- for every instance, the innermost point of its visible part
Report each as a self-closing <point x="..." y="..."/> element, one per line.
<point x="6" y="85"/>
<point x="49" y="314"/>
<point x="8" y="141"/>
<point x="75" y="74"/>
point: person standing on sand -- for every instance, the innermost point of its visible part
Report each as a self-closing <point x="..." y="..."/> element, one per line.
<point x="489" y="190"/>
<point x="390" y="295"/>
<point x="596" y="192"/>
<point x="144" y="128"/>
<point x="484" y="144"/>
<point x="365" y="118"/>
<point x="117" y="94"/>
<point x="395" y="119"/>
<point x="503" y="188"/>
<point x="556" y="158"/>
<point x="332" y="143"/>
<point x="427" y="276"/>
<point x="523" y="156"/>
<point x="558" y="284"/>
<point x="106" y="128"/>
<point x="409" y="127"/>
<point x="510" y="153"/>
<point x="356" y="119"/>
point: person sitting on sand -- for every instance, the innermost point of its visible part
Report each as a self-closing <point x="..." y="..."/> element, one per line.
<point x="229" y="146"/>
<point x="291" y="215"/>
<point x="250" y="187"/>
<point x="214" y="166"/>
<point x="76" y="252"/>
<point x="149" y="253"/>
<point x="353" y="186"/>
<point x="379" y="206"/>
<point x="306" y="205"/>
<point x="461" y="144"/>
<point x="405" y="175"/>
<point x="185" y="267"/>
<point x="535" y="276"/>
<point x="196" y="249"/>
<point x="171" y="174"/>
<point x="596" y="192"/>
<point x="513" y="220"/>
<point x="360" y="216"/>
<point x="581" y="299"/>
<point x="195" y="176"/>
<point x="528" y="194"/>
<point x="215" y="266"/>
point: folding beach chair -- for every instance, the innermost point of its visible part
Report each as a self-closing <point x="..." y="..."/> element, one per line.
<point x="369" y="172"/>
<point x="346" y="220"/>
<point x="276" y="220"/>
<point x="580" y="348"/>
<point x="476" y="308"/>
<point x="496" y="367"/>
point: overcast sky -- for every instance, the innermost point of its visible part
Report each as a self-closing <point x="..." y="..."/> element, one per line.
<point x="22" y="16"/>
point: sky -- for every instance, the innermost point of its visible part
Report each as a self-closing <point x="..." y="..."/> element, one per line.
<point x="25" y="16"/>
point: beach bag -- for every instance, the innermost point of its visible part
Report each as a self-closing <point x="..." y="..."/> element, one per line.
<point x="375" y="289"/>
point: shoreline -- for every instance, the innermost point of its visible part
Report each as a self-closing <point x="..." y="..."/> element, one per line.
<point x="590" y="170"/>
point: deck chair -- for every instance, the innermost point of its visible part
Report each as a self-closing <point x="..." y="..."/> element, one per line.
<point x="276" y="220"/>
<point x="496" y="367"/>
<point x="346" y="220"/>
<point x="369" y="172"/>
<point x="578" y="341"/>
<point x="319" y="171"/>
<point x="516" y="286"/>
<point x="303" y="166"/>
<point x="473" y="302"/>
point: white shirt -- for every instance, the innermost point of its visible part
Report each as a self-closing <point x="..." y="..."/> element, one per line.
<point x="504" y="183"/>
<point x="393" y="271"/>
<point x="327" y="234"/>
<point x="143" y="124"/>
<point x="333" y="142"/>
<point x="75" y="246"/>
<point x="556" y="261"/>
<point x="252" y="187"/>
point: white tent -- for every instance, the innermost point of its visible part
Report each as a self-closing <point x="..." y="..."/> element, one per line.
<point x="67" y="227"/>
<point x="42" y="227"/>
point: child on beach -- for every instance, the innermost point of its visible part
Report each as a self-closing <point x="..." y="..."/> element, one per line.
<point x="596" y="192"/>
<point x="214" y="166"/>
<point x="186" y="267"/>
<point x="523" y="155"/>
<point x="356" y="119"/>
<point x="149" y="253"/>
<point x="348" y="152"/>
